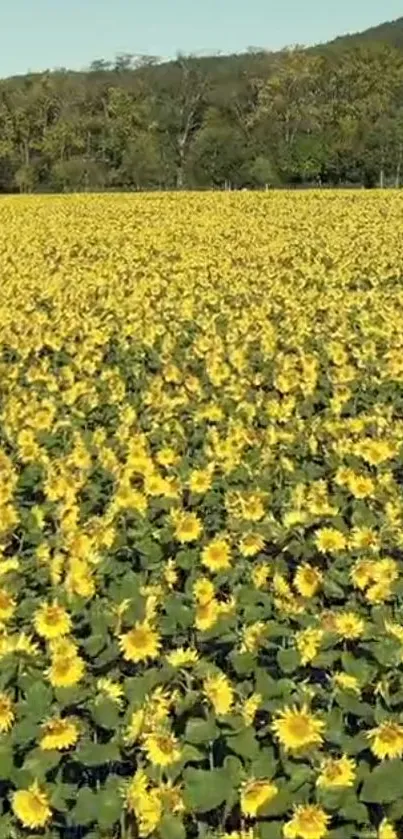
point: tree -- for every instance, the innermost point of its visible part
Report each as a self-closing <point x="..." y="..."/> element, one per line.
<point x="26" y="177"/>
<point x="141" y="162"/>
<point x="180" y="109"/>
<point x="259" y="172"/>
<point x="332" y="114"/>
<point x="218" y="155"/>
<point x="291" y="97"/>
<point x="77" y="174"/>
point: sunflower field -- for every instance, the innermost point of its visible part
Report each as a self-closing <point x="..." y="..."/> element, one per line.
<point x="201" y="516"/>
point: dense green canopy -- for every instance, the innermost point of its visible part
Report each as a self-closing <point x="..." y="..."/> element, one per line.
<point x="330" y="114"/>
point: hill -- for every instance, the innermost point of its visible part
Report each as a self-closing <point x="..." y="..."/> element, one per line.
<point x="329" y="114"/>
<point x="390" y="33"/>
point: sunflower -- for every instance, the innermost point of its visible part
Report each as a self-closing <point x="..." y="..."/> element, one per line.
<point x="255" y="794"/>
<point x="203" y="590"/>
<point x="141" y="643"/>
<point x="219" y="691"/>
<point x="361" y="486"/>
<point x="260" y="574"/>
<point x="337" y="772"/>
<point x="308" y="643"/>
<point x="200" y="481"/>
<point x="250" y="706"/>
<point x="344" y="681"/>
<point x="24" y="644"/>
<point x="207" y="615"/>
<point x="65" y="672"/>
<point x="149" y="812"/>
<point x="145" y="803"/>
<point x="386" y="830"/>
<point x="63" y="647"/>
<point x="59" y="734"/>
<point x="308" y="822"/>
<point x="113" y="690"/>
<point x="52" y="621"/>
<point x="216" y="556"/>
<point x="307" y="580"/>
<point x="349" y="625"/>
<point x="137" y="788"/>
<point x="362" y="573"/>
<point x="170" y="573"/>
<point x="252" y="507"/>
<point x="7" y="605"/>
<point x="182" y="657"/>
<point x="7" y="565"/>
<point x="379" y="592"/>
<point x="162" y="748"/>
<point x="394" y="629"/>
<point x="252" y="637"/>
<point x="172" y="797"/>
<point x="363" y="538"/>
<point x="135" y="727"/>
<point x="329" y="540"/>
<point x="7" y="714"/>
<point x="167" y="456"/>
<point x="31" y="806"/>
<point x="387" y="740"/>
<point x="251" y="544"/>
<point x="188" y="528"/>
<point x="298" y="729"/>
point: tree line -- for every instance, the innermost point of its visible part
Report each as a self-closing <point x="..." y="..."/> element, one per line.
<point x="329" y="115"/>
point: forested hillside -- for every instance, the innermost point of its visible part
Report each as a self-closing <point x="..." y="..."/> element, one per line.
<point x="331" y="114"/>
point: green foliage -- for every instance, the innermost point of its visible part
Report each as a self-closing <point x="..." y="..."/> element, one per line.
<point x="206" y="790"/>
<point x="384" y="784"/>
<point x="326" y="114"/>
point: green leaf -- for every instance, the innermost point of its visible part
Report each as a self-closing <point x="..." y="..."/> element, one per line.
<point x="353" y="810"/>
<point x="109" y="805"/>
<point x="265" y="765"/>
<point x="6" y="762"/>
<point x="352" y="705"/>
<point x="244" y="744"/>
<point x="95" y="754"/>
<point x="270" y="688"/>
<point x="38" y="699"/>
<point x="6" y="827"/>
<point x="354" y="745"/>
<point x="270" y="830"/>
<point x="69" y="696"/>
<point x="39" y="762"/>
<point x="205" y="791"/>
<point x="348" y="831"/>
<point x="137" y="687"/>
<point x="357" y="667"/>
<point x="384" y="784"/>
<point x="234" y="768"/>
<point x="85" y="810"/>
<point x="94" y="644"/>
<point x="299" y="775"/>
<point x="180" y="614"/>
<point x="24" y="731"/>
<point x="200" y="730"/>
<point x="61" y="795"/>
<point x="279" y="804"/>
<point x="190" y="754"/>
<point x="288" y="660"/>
<point x="243" y="663"/>
<point x="105" y="713"/>
<point x="171" y="827"/>
<point x="395" y="811"/>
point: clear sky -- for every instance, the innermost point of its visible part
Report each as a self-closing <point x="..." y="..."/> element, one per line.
<point x="40" y="34"/>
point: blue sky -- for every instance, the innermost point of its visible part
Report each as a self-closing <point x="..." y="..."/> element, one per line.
<point x="40" y="34"/>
